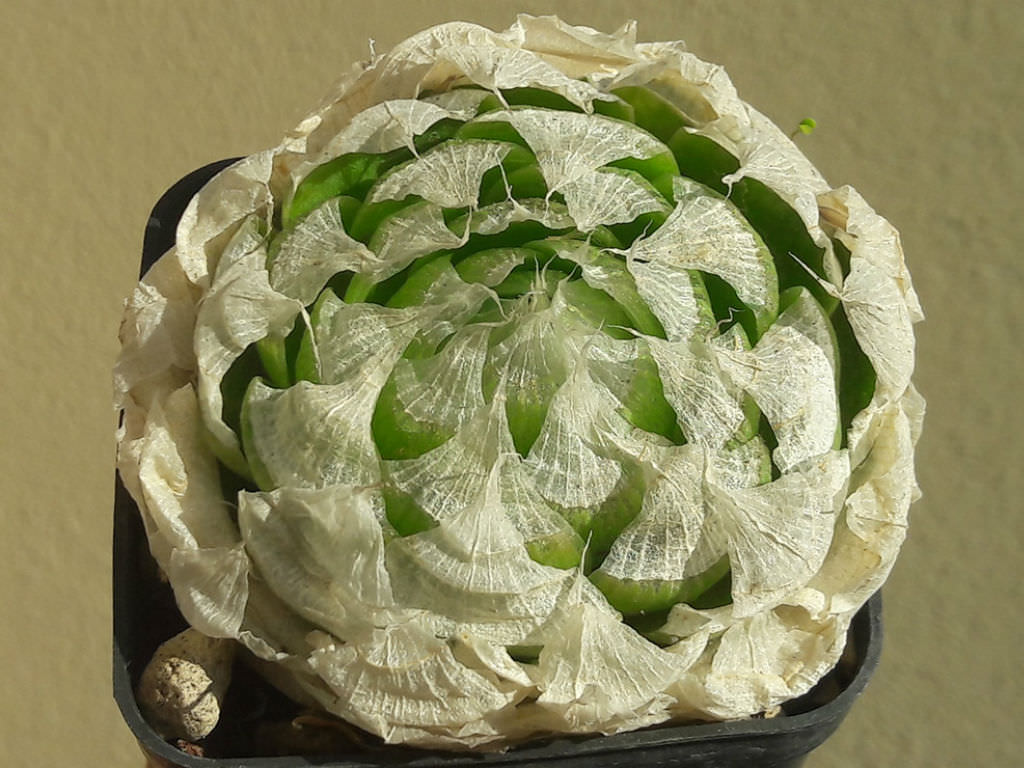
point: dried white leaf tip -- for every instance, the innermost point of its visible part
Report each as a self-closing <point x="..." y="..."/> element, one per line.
<point x="183" y="686"/>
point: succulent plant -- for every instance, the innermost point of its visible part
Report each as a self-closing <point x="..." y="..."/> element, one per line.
<point x="535" y="383"/>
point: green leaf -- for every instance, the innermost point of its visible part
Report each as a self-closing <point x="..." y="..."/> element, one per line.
<point x="351" y="175"/>
<point x="600" y="525"/>
<point x="259" y="472"/>
<point x="597" y="308"/>
<point x="634" y="596"/>
<point x="519" y="184"/>
<point x="277" y="354"/>
<point x="786" y="236"/>
<point x="702" y="159"/>
<point x="651" y="112"/>
<point x="421" y="275"/>
<point x="561" y="550"/>
<point x="397" y="434"/>
<point x="492" y="130"/>
<point x="606" y="274"/>
<point x="644" y="403"/>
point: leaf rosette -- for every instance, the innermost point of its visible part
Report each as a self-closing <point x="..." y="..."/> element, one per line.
<point x="535" y="383"/>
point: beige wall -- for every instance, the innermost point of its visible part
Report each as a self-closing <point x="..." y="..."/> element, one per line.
<point x="105" y="104"/>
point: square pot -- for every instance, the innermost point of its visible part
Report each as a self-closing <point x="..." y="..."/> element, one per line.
<point x="255" y="715"/>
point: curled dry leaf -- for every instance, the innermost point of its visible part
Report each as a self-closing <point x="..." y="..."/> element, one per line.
<point x="534" y="383"/>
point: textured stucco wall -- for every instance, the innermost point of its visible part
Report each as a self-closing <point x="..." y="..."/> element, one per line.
<point x="105" y="104"/>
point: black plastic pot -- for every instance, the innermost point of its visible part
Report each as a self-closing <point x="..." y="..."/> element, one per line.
<point x="145" y="616"/>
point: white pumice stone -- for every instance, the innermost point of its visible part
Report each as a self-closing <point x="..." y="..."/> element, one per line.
<point x="183" y="686"/>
